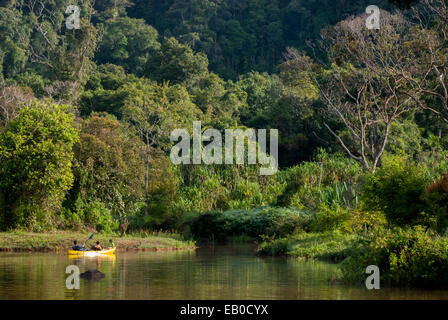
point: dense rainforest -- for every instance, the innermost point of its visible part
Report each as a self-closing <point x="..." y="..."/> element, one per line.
<point x="86" y="115"/>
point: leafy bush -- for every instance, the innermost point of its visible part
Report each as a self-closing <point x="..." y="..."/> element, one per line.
<point x="35" y="164"/>
<point x="330" y="179"/>
<point x="330" y="218"/>
<point x="404" y="257"/>
<point x="398" y="189"/>
<point x="274" y="222"/>
<point x="330" y="246"/>
<point x="32" y="218"/>
<point x="285" y="221"/>
<point x="93" y="215"/>
<point x="437" y="194"/>
<point x="363" y="220"/>
<point x="205" y="188"/>
<point x="276" y="247"/>
<point x="96" y="214"/>
<point x="70" y="220"/>
<point x="339" y="194"/>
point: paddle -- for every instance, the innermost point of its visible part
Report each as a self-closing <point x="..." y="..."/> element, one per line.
<point x="89" y="239"/>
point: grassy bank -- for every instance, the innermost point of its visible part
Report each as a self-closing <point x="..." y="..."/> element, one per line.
<point x="61" y="241"/>
<point x="328" y="246"/>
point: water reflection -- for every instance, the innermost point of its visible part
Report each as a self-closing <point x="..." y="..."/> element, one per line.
<point x="92" y="275"/>
<point x="225" y="272"/>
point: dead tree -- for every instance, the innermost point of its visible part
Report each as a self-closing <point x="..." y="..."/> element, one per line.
<point x="368" y="83"/>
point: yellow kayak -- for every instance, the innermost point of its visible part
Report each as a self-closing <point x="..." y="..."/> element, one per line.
<point x="91" y="252"/>
<point x="102" y="257"/>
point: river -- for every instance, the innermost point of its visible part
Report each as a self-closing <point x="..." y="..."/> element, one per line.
<point x="210" y="272"/>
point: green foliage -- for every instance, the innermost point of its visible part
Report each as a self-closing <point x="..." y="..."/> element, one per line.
<point x="13" y="53"/>
<point x="404" y="256"/>
<point x="129" y="43"/>
<point x="283" y="104"/>
<point x="158" y="109"/>
<point x="406" y="139"/>
<point x="330" y="218"/>
<point x="222" y="187"/>
<point x="398" y="189"/>
<point x="162" y="194"/>
<point x="220" y="101"/>
<point x="339" y="195"/>
<point x="97" y="215"/>
<point x="330" y="179"/>
<point x="272" y="222"/>
<point x="364" y="220"/>
<point x="329" y="246"/>
<point x="246" y="35"/>
<point x="275" y="247"/>
<point x="108" y="173"/>
<point x="35" y="164"/>
<point x="34" y="81"/>
<point x="244" y="41"/>
<point x="105" y="91"/>
<point x="176" y="63"/>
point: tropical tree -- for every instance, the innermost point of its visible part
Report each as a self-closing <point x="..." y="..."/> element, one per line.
<point x="35" y="164"/>
<point x="43" y="41"/>
<point x="108" y="169"/>
<point x="11" y="100"/>
<point x="370" y="83"/>
<point x="129" y="43"/>
<point x="176" y="63"/>
<point x="154" y="111"/>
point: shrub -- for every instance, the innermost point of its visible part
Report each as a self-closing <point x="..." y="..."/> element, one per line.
<point x="273" y="222"/>
<point x="70" y="220"/>
<point x="329" y="178"/>
<point x="285" y="221"/>
<point x="32" y="218"/>
<point x="275" y="247"/>
<point x="35" y="164"/>
<point x="404" y="257"/>
<point x="398" y="189"/>
<point x="339" y="194"/>
<point x="205" y="188"/>
<point x="330" y="246"/>
<point x="437" y="194"/>
<point x="364" y="220"/>
<point x="330" y="218"/>
<point x="98" y="216"/>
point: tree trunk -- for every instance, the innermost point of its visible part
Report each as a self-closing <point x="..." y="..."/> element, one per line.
<point x="146" y="182"/>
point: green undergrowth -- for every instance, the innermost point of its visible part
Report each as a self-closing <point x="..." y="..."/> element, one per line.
<point x="245" y="224"/>
<point x="331" y="246"/>
<point x="60" y="241"/>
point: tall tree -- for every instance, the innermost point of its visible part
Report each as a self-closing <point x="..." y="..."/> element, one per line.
<point x="176" y="63"/>
<point x="61" y="54"/>
<point x="108" y="168"/>
<point x="369" y="84"/>
<point x="35" y="164"/>
<point x="129" y="43"/>
<point x="154" y="111"/>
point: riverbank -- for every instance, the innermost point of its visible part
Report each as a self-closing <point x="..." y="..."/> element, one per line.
<point x="62" y="240"/>
<point x="331" y="246"/>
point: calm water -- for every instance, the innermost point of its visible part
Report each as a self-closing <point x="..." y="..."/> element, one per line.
<point x="220" y="272"/>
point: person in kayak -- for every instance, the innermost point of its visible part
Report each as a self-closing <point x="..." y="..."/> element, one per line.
<point x="78" y="247"/>
<point x="97" y="246"/>
<point x="111" y="244"/>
